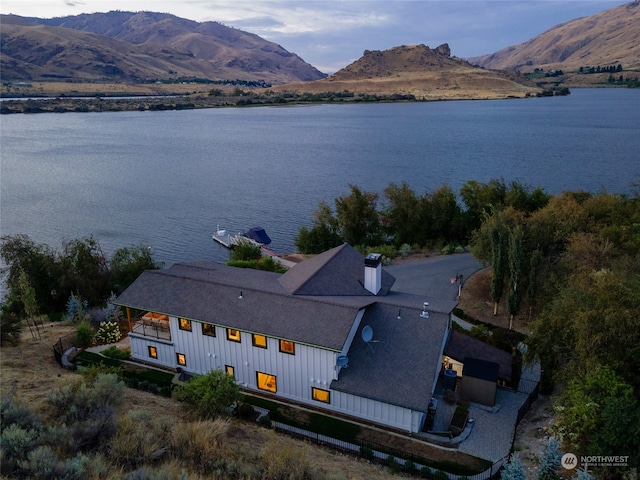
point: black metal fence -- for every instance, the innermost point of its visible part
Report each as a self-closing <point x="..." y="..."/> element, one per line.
<point x="398" y="460"/>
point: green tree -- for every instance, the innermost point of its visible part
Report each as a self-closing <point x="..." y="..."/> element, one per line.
<point x="85" y="270"/>
<point x="513" y="469"/>
<point x="515" y="256"/>
<point x="480" y="199"/>
<point x="38" y="263"/>
<point x="401" y="215"/>
<point x="358" y="218"/>
<point x="535" y="261"/>
<point x="210" y="395"/>
<point x="323" y="235"/>
<point x="447" y="222"/>
<point x="128" y="263"/>
<point x="11" y="327"/>
<point x="497" y="235"/>
<point x="549" y="463"/>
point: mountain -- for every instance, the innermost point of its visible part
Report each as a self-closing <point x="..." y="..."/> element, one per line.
<point x="419" y="71"/>
<point x="141" y="46"/>
<point x="607" y="38"/>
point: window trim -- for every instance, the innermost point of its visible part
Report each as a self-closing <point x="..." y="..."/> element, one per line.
<point x="315" y="390"/>
<point x="255" y="336"/>
<point x="152" y="351"/>
<point x="185" y="324"/>
<point x="269" y="376"/>
<point x="213" y="330"/>
<point x="287" y="342"/>
<point x="231" y="338"/>
<point x="181" y="359"/>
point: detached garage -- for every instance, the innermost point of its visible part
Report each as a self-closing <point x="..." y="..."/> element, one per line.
<point x="479" y="381"/>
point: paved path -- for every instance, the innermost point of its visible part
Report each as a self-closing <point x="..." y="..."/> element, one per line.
<point x="432" y="277"/>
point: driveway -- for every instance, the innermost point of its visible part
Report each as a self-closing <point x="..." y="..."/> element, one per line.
<point x="432" y="276"/>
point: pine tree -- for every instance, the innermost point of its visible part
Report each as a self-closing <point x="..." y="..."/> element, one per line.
<point x="550" y="461"/>
<point x="583" y="474"/>
<point x="513" y="470"/>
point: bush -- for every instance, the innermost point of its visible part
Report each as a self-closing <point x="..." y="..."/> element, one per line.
<point x="109" y="332"/>
<point x="409" y="466"/>
<point x="246" y="411"/>
<point x="425" y="472"/>
<point x="117" y="353"/>
<point x="139" y="440"/>
<point x="13" y="413"/>
<point x="199" y="444"/>
<point x="366" y="452"/>
<point x="209" y="395"/>
<point x="405" y="249"/>
<point x="84" y="334"/>
<point x="440" y="475"/>
<point x="10" y="328"/>
<point x="282" y="460"/>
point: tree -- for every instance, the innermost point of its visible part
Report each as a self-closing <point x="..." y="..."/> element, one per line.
<point x="38" y="263"/>
<point x="357" y="217"/>
<point x="128" y="263"/>
<point x="550" y="461"/>
<point x="11" y="327"/>
<point x="515" y="258"/>
<point x="323" y="235"/>
<point x="513" y="469"/>
<point x="401" y="216"/>
<point x="210" y="395"/>
<point x="447" y="223"/>
<point x="497" y="262"/>
<point x="535" y="261"/>
<point x="480" y="199"/>
<point x="85" y="270"/>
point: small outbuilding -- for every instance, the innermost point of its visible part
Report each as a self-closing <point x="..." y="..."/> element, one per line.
<point x="479" y="381"/>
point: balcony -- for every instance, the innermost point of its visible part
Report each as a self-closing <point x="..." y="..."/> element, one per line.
<point x="152" y="325"/>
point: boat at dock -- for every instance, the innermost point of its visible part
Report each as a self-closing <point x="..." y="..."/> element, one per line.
<point x="254" y="236"/>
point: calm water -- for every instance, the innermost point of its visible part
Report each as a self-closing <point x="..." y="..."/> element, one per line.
<point x="168" y="178"/>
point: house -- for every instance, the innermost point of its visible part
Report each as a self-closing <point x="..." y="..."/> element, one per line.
<point x="328" y="334"/>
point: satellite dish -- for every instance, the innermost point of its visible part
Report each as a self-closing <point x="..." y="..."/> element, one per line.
<point x="367" y="333"/>
<point x="342" y="361"/>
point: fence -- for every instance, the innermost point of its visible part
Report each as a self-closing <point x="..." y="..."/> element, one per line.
<point x="396" y="459"/>
<point x="61" y="346"/>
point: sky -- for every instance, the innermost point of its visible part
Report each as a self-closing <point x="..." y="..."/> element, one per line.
<point x="330" y="34"/>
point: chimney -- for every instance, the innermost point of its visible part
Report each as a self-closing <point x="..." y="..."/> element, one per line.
<point x="373" y="272"/>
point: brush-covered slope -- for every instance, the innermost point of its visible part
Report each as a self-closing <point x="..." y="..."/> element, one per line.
<point x="607" y="38"/>
<point x="420" y="71"/>
<point x="175" y="47"/>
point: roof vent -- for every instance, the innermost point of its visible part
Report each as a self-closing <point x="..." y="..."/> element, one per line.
<point x="425" y="312"/>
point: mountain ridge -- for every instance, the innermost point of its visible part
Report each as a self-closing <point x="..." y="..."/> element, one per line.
<point x="175" y="47"/>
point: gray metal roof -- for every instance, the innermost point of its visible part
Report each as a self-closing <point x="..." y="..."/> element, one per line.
<point x="400" y="365"/>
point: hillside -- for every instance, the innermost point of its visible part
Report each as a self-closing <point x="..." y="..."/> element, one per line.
<point x="608" y="38"/>
<point x="420" y="71"/>
<point x="141" y="46"/>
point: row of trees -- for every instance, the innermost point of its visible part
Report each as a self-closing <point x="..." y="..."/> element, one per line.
<point x="39" y="279"/>
<point x="401" y="216"/>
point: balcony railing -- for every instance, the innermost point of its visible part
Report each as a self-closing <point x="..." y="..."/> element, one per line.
<point x="152" y="325"/>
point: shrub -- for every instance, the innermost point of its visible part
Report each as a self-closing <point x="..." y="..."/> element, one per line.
<point x="109" y="332"/>
<point x="211" y="394"/>
<point x="246" y="411"/>
<point x="409" y="466"/>
<point x="425" y="472"/>
<point x="84" y="334"/>
<point x="117" y="353"/>
<point x="405" y="249"/>
<point x="92" y="372"/>
<point x="282" y="460"/>
<point x="10" y="328"/>
<point x="15" y="443"/>
<point x="13" y="413"/>
<point x="440" y="475"/>
<point x="138" y="441"/>
<point x="366" y="452"/>
<point x="199" y="444"/>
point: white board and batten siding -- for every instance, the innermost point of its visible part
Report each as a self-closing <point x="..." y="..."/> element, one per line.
<point x="293" y="371"/>
<point x="166" y="353"/>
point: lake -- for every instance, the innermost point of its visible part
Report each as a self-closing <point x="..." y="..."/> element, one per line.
<point x="167" y="179"/>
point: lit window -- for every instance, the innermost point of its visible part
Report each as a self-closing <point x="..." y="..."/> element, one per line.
<point x="266" y="382"/>
<point x="321" y="395"/>
<point x="182" y="360"/>
<point x="230" y="371"/>
<point x="153" y="352"/>
<point x="208" y="329"/>
<point x="287" y="347"/>
<point x="184" y="324"/>
<point x="259" y="341"/>
<point x="233" y="335"/>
